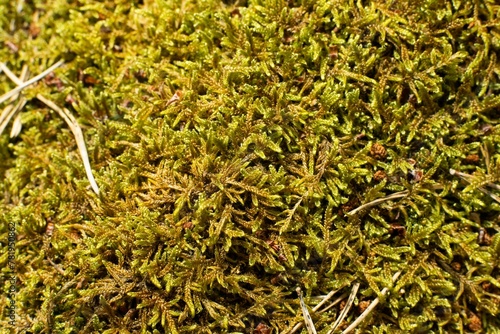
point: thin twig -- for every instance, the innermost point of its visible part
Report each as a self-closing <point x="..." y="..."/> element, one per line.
<point x="370" y="308"/>
<point x="64" y="113"/>
<point x="327" y="298"/>
<point x="19" y="88"/>
<point x="468" y="178"/>
<point x="11" y="110"/>
<point x="335" y="302"/>
<point x="17" y="126"/>
<point x="489" y="193"/>
<point x="379" y="200"/>
<point x="305" y="313"/>
<point x="346" y="308"/>
<point x="11" y="75"/>
<point x="315" y="308"/>
<point x="56" y="267"/>
<point x="77" y="132"/>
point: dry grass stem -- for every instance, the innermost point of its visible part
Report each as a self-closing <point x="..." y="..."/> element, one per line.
<point x="315" y="308"/>
<point x="56" y="267"/>
<point x="346" y="309"/>
<point x="17" y="125"/>
<point x="12" y="76"/>
<point x="378" y="201"/>
<point x="468" y="178"/>
<point x="489" y="193"/>
<point x="327" y="298"/>
<point x="77" y="132"/>
<point x="11" y="110"/>
<point x="19" y="88"/>
<point x="307" y="317"/>
<point x="335" y="302"/>
<point x="370" y="308"/>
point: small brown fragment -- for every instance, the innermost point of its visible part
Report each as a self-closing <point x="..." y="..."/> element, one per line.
<point x="262" y="329"/>
<point x="475" y="323"/>
<point x="235" y="12"/>
<point x="400" y="230"/>
<point x="70" y="99"/>
<point x="87" y="79"/>
<point x="273" y="244"/>
<point x="363" y="305"/>
<point x="456" y="266"/>
<point x="475" y="217"/>
<point x="276" y="279"/>
<point x="80" y="283"/>
<point x="472" y="159"/>
<point x="352" y="204"/>
<point x="359" y="136"/>
<point x="13" y="47"/>
<point x="379" y="175"/>
<point x="486" y="286"/>
<point x="378" y="151"/>
<point x="417" y="174"/>
<point x="175" y="98"/>
<point x="487" y="128"/>
<point x="483" y="238"/>
<point x="187" y="225"/>
<point x="333" y="51"/>
<point x="34" y="30"/>
<point x="49" y="229"/>
<point x="90" y="80"/>
<point x="52" y="80"/>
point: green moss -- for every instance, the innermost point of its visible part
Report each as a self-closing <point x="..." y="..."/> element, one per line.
<point x="215" y="207"/>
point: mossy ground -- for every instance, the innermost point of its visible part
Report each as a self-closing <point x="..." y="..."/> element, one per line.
<point x="214" y="208"/>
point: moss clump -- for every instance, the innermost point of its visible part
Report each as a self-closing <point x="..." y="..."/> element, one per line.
<point x="230" y="140"/>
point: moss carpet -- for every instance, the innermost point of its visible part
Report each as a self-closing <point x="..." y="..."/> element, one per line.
<point x="243" y="149"/>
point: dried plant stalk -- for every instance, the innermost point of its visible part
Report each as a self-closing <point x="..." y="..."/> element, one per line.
<point x="77" y="132"/>
<point x="11" y="110"/>
<point x="19" y="88"/>
<point x="346" y="308"/>
<point x="370" y="307"/>
<point x="468" y="178"/>
<point x="316" y="308"/>
<point x="335" y="302"/>
<point x="379" y="200"/>
<point x="307" y="317"/>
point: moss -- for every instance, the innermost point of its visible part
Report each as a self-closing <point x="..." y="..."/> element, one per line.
<point x="230" y="140"/>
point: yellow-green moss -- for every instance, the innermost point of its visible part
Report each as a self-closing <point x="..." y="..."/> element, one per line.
<point x="215" y="207"/>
